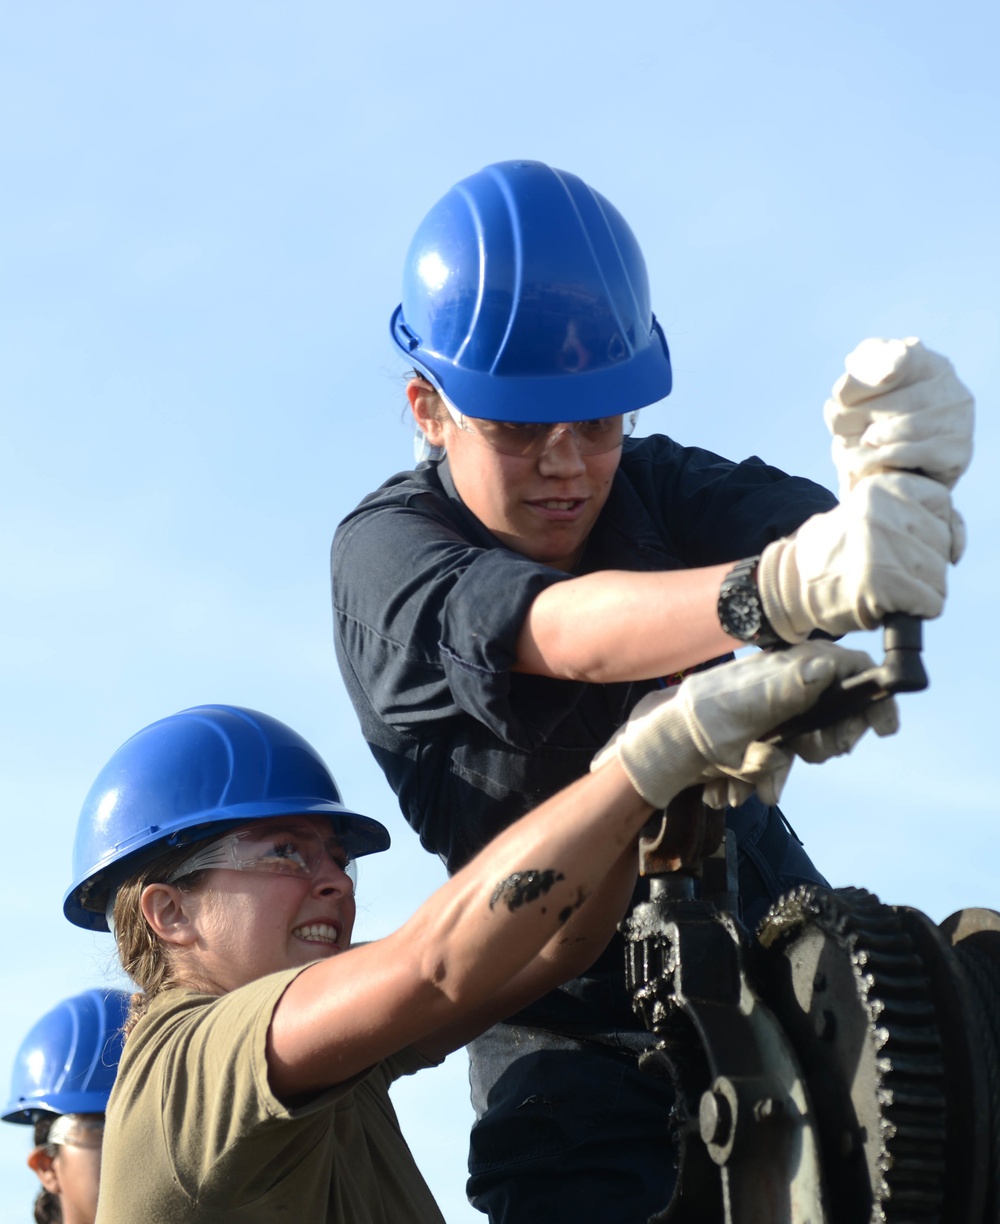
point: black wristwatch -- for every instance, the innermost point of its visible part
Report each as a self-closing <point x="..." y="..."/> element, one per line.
<point x="741" y="612"/>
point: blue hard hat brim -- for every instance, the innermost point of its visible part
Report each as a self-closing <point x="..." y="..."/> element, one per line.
<point x="579" y="396"/>
<point x="27" y="1110"/>
<point x="359" y="835"/>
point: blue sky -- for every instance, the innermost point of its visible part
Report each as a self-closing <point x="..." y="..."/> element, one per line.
<point x="201" y="240"/>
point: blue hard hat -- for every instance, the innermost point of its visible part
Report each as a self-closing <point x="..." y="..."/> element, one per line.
<point x="525" y="298"/>
<point x="68" y="1062"/>
<point x="189" y="777"/>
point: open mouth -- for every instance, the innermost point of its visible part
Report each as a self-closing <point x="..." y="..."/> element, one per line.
<point x="558" y="506"/>
<point x="318" y="933"/>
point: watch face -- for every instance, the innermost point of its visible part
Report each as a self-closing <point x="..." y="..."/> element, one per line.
<point x="743" y="614"/>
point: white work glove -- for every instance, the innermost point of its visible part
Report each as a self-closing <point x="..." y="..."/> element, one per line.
<point x="885" y="548"/>
<point x="704" y="730"/>
<point x="899" y="406"/>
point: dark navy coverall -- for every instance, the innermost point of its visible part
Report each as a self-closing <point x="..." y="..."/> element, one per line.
<point x="428" y="606"/>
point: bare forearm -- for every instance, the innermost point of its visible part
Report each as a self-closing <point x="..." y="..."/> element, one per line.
<point x="616" y="625"/>
<point x="528" y="885"/>
<point x="576" y="946"/>
<point x="570" y="952"/>
<point x="458" y="960"/>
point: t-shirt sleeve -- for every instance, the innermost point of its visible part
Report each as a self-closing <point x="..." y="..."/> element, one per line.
<point x="426" y="621"/>
<point x="407" y="1061"/>
<point x="224" y="1129"/>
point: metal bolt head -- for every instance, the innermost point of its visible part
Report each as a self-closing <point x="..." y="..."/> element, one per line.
<point x="715" y="1118"/>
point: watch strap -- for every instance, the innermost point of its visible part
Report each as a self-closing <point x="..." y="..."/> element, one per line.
<point x="742" y="578"/>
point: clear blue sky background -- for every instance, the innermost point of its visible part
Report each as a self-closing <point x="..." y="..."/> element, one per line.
<point x="202" y="225"/>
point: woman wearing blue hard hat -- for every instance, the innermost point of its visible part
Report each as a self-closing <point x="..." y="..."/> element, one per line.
<point x="501" y="609"/>
<point x="254" y="1079"/>
<point x="62" y="1078"/>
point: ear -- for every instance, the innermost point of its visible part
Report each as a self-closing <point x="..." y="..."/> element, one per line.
<point x="427" y="410"/>
<point x="43" y="1166"/>
<point x="170" y="913"/>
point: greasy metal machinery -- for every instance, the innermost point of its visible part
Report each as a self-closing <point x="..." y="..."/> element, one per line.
<point x="841" y="1066"/>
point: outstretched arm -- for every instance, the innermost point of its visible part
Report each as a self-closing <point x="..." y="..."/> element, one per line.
<point x="549" y="890"/>
<point x="466" y="958"/>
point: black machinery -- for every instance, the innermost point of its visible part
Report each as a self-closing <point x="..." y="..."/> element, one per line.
<point x="842" y="1065"/>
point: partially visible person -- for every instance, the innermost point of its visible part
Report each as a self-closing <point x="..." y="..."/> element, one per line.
<point x="62" y="1078"/>
<point x="254" y="1083"/>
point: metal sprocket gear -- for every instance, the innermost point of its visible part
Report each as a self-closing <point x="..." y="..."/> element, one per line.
<point x="847" y="980"/>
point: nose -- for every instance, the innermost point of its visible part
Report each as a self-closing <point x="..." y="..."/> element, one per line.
<point x="332" y="878"/>
<point x="562" y="456"/>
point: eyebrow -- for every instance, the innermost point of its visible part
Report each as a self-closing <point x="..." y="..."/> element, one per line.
<point x="269" y="830"/>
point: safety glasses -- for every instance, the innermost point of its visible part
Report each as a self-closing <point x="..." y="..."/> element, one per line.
<point x="276" y="849"/>
<point x="530" y="439"/>
<point x="77" y="1130"/>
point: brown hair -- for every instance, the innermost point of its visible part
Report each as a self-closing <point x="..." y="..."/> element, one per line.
<point x="143" y="956"/>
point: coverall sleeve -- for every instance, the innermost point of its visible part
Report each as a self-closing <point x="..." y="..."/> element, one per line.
<point x="426" y="623"/>
<point x="716" y="510"/>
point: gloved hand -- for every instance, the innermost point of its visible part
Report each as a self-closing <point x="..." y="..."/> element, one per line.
<point x="899" y="406"/>
<point x="885" y="548"/>
<point x="704" y="730"/>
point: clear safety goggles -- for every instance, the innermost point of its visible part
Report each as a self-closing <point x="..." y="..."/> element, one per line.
<point x="77" y="1130"/>
<point x="530" y="439"/>
<point x="276" y="849"/>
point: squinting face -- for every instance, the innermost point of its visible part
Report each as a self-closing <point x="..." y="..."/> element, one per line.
<point x="251" y="923"/>
<point x="543" y="508"/>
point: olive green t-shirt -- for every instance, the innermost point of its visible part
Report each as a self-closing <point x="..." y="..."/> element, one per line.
<point x="195" y="1135"/>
